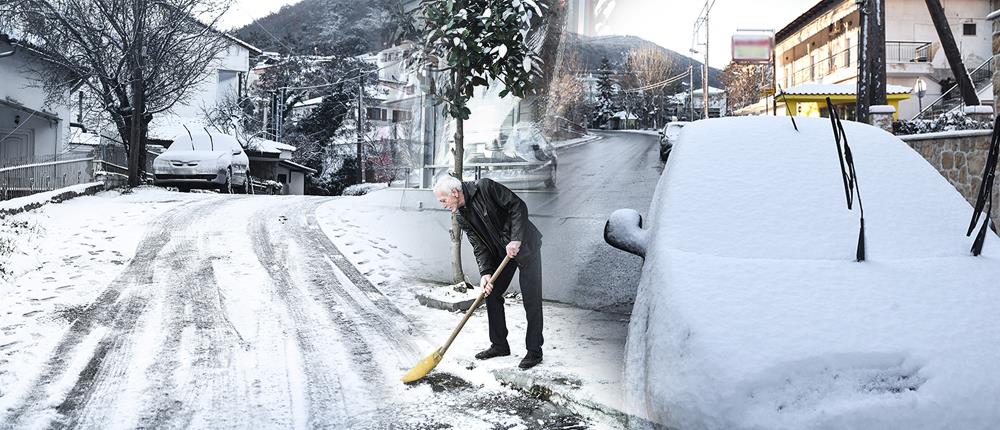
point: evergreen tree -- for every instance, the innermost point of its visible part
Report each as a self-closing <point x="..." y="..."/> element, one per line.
<point x="607" y="103"/>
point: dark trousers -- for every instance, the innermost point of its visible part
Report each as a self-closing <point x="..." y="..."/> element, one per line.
<point x="530" y="269"/>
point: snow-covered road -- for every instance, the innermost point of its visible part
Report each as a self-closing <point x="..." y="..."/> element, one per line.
<point x="235" y="312"/>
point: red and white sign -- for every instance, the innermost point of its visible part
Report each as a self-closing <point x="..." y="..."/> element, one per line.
<point x="752" y="47"/>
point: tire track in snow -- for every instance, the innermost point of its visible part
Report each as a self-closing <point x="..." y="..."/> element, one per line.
<point x="117" y="308"/>
<point x="323" y="371"/>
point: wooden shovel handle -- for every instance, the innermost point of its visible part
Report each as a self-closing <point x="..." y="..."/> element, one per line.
<point x="479" y="300"/>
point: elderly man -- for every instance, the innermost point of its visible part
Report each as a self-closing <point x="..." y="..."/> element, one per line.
<point x="496" y="222"/>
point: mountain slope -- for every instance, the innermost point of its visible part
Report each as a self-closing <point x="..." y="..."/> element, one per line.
<point x="593" y="49"/>
<point x="325" y="27"/>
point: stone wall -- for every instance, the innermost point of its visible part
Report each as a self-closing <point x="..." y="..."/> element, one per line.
<point x="960" y="156"/>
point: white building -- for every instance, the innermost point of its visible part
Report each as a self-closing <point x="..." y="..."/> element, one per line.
<point x="821" y="47"/>
<point x="32" y="129"/>
<point x="225" y="79"/>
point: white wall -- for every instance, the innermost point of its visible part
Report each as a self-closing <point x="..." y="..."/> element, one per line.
<point x="20" y="85"/>
<point x="206" y="95"/>
<point x="909" y="20"/>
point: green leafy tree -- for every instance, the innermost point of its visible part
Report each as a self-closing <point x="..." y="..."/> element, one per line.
<point x="478" y="43"/>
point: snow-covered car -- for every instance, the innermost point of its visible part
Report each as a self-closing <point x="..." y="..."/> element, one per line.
<point x="668" y="137"/>
<point x="519" y="158"/>
<point x="206" y="161"/>
<point x="753" y="311"/>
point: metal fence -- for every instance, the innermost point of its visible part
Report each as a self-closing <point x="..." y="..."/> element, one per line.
<point x="908" y="52"/>
<point x="20" y="181"/>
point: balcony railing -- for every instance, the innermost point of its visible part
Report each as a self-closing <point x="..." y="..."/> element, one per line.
<point x="908" y="52"/>
<point x="824" y="66"/>
<point x="895" y="52"/>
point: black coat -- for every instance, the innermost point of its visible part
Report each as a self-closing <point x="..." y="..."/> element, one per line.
<point x="505" y="217"/>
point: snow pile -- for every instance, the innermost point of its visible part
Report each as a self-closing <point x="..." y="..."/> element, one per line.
<point x="752" y="312"/>
<point x="949" y="121"/>
<point x="362" y="189"/>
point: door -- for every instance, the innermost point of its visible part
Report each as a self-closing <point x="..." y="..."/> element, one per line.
<point x="16" y="147"/>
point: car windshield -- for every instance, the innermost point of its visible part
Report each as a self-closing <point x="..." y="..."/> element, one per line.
<point x="199" y="143"/>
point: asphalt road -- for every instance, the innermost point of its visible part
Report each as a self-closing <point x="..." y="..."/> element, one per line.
<point x="618" y="171"/>
<point x="238" y="312"/>
<point x="594" y="179"/>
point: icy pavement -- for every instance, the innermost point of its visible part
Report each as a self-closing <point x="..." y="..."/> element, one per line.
<point x="405" y="250"/>
<point x="169" y="310"/>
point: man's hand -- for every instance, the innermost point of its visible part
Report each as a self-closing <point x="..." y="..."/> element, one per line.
<point x="513" y="248"/>
<point x="485" y="284"/>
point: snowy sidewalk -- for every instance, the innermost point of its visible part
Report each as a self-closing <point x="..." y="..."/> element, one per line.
<point x="404" y="251"/>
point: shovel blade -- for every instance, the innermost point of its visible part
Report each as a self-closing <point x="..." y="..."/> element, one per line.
<point x="423" y="367"/>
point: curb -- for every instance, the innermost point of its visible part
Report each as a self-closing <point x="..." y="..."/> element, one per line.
<point x="589" y="139"/>
<point x="562" y="391"/>
<point x="55" y="196"/>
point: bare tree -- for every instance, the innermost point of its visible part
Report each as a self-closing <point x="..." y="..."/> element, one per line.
<point x="139" y="58"/>
<point x="745" y="83"/>
<point x="566" y="98"/>
<point x="646" y="66"/>
<point x="235" y="116"/>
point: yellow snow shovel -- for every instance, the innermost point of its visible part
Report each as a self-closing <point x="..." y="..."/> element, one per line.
<point x="427" y="364"/>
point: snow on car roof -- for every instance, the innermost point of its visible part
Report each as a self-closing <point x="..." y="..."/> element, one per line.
<point x="753" y="187"/>
<point x="752" y="313"/>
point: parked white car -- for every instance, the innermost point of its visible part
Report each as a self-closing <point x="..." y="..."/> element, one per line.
<point x="753" y="312"/>
<point x="668" y="137"/>
<point x="206" y="161"/>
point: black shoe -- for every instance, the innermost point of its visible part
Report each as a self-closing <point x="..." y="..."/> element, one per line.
<point x="492" y="352"/>
<point x="530" y="360"/>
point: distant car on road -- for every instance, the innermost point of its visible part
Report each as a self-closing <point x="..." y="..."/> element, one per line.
<point x="203" y="161"/>
<point x="668" y="137"/>
<point x="519" y="158"/>
<point x="753" y="312"/>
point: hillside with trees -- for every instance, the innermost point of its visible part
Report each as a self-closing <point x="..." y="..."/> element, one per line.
<point x="327" y="27"/>
<point x="591" y="50"/>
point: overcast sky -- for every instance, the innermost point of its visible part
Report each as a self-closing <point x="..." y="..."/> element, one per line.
<point x="669" y="23"/>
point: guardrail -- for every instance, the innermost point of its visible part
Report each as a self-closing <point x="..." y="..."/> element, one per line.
<point x="20" y="181"/>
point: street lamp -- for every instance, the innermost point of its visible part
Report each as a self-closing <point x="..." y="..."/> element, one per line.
<point x="921" y="89"/>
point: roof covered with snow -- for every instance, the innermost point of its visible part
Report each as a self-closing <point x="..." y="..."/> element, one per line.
<point x="838" y="89"/>
<point x="270" y="146"/>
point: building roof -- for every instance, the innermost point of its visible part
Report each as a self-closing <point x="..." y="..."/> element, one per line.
<point x="271" y="147"/>
<point x="805" y="18"/>
<point x="253" y="49"/>
<point x="838" y="89"/>
<point x="296" y="166"/>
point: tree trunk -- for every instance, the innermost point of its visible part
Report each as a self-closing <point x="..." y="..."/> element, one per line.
<point x="951" y="51"/>
<point x="456" y="231"/>
<point x="136" y="134"/>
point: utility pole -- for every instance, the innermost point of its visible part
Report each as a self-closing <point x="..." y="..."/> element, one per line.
<point x="876" y="54"/>
<point x="703" y="19"/>
<point x="691" y="92"/>
<point x="358" y="126"/>
<point x="138" y="101"/>
<point x="863" y="97"/>
<point x="704" y="78"/>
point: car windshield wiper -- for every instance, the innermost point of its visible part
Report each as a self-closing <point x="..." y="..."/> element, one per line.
<point x="984" y="200"/>
<point x="788" y="110"/>
<point x="848" y="174"/>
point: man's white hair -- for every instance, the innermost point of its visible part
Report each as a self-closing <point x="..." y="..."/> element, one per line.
<point x="447" y="183"/>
